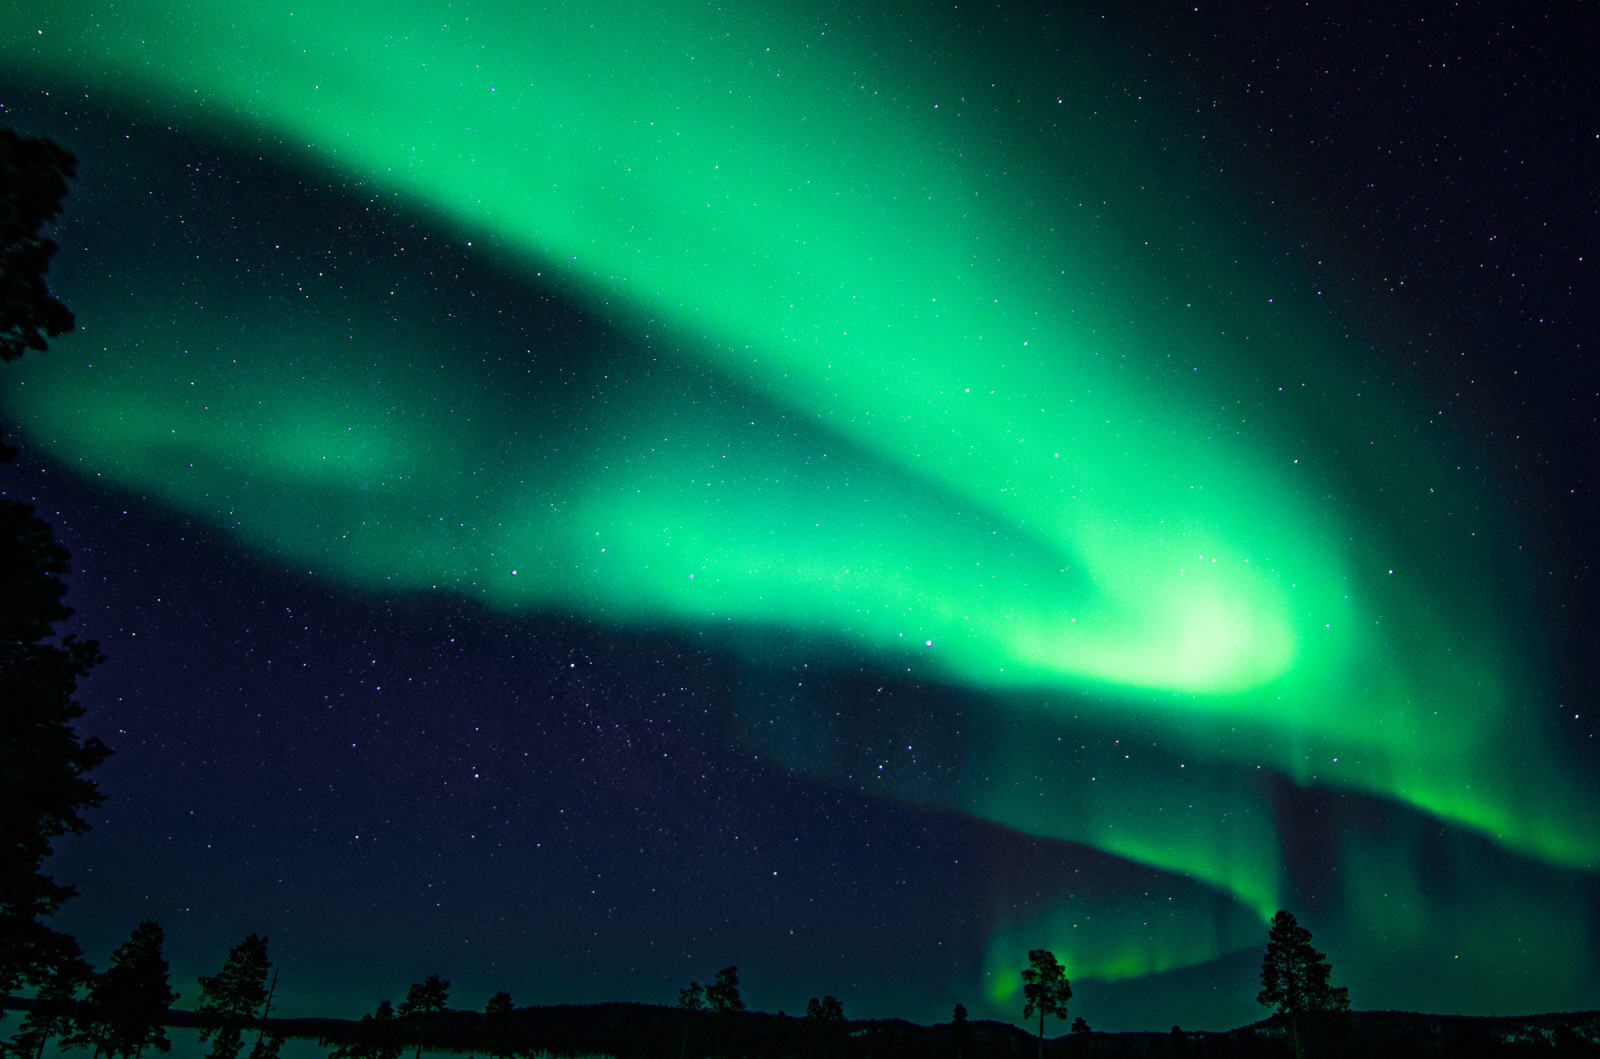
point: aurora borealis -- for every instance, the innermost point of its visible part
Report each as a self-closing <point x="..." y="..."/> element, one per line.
<point x="926" y="377"/>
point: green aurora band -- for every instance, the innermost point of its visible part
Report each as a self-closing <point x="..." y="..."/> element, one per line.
<point x="1008" y="396"/>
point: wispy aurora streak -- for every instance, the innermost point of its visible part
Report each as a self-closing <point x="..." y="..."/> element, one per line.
<point x="1001" y="400"/>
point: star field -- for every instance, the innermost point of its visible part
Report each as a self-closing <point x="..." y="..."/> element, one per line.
<point x="856" y="496"/>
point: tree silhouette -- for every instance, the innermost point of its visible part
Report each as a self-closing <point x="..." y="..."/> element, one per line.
<point x="233" y="995"/>
<point x="722" y="996"/>
<point x="1045" y="987"/>
<point x="267" y="1047"/>
<point x="52" y="1014"/>
<point x="501" y="1027"/>
<point x="128" y="1004"/>
<point x="691" y="1001"/>
<point x="43" y="789"/>
<point x="425" y="998"/>
<point x="782" y="1047"/>
<point x="1294" y="976"/>
<point x="960" y="1032"/>
<point x="825" y="1024"/>
<point x="33" y="181"/>
<point x="375" y="1037"/>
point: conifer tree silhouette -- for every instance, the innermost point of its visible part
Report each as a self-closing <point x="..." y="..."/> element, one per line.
<point x="1294" y="976"/>
<point x="233" y="996"/>
<point x="502" y="1027"/>
<point x="43" y="789"/>
<point x="425" y="998"/>
<point x="128" y="1004"/>
<point x="1045" y="988"/>
<point x="722" y="996"/>
<point x="53" y="1013"/>
<point x="33" y="180"/>
<point x="825" y="1025"/>
<point x="692" y="1002"/>
<point x="375" y="1037"/>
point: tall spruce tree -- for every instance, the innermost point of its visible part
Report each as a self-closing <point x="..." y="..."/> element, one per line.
<point x="1294" y="976"/>
<point x="127" y="1005"/>
<point x="722" y="996"/>
<point x="233" y="996"/>
<point x="423" y="999"/>
<point x="1045" y="989"/>
<point x="692" y="1002"/>
<point x="501" y="1028"/>
<point x="825" y="1025"/>
<point x="33" y="181"/>
<point x="960" y="1032"/>
<point x="43" y="787"/>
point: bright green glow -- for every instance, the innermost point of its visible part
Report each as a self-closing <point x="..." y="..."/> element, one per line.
<point x="905" y="316"/>
<point x="1023" y="423"/>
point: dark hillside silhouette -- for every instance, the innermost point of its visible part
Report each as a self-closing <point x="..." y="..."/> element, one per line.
<point x="655" y="1032"/>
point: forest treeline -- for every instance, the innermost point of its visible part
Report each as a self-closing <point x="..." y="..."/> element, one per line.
<point x="127" y="1010"/>
<point x="643" y="1031"/>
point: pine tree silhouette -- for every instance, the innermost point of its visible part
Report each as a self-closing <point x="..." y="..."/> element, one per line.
<point x="1294" y="976"/>
<point x="1046" y="989"/>
<point x="128" y="1004"/>
<point x="425" y="998"/>
<point x="233" y="996"/>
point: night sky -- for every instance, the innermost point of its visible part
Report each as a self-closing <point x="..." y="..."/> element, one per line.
<point x="574" y="496"/>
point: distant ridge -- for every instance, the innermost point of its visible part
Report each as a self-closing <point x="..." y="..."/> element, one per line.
<point x="629" y="1030"/>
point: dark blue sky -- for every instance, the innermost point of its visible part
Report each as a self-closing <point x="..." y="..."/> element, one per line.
<point x="389" y="787"/>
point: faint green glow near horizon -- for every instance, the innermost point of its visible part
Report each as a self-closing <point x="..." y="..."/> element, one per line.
<point x="1115" y="938"/>
<point x="1058" y="427"/>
